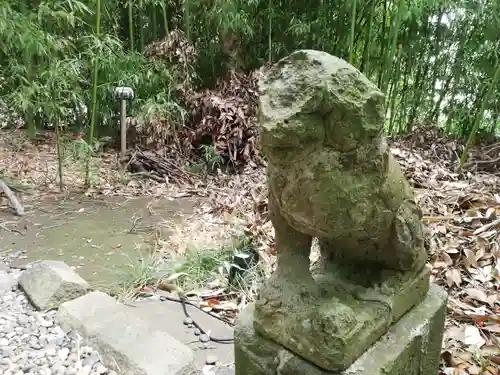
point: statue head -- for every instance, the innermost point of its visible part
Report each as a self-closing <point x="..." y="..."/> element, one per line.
<point x="312" y="99"/>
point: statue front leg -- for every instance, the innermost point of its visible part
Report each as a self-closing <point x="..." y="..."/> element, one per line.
<point x="287" y="309"/>
<point x="292" y="279"/>
<point x="292" y="247"/>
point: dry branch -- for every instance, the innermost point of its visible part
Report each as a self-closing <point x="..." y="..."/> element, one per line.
<point x="12" y="198"/>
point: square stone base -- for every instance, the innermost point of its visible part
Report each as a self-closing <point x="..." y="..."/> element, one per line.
<point x="412" y="346"/>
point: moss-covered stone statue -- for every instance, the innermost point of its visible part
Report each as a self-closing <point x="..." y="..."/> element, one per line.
<point x="331" y="176"/>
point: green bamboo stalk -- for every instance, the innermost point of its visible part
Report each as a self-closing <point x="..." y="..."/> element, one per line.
<point x="419" y="80"/>
<point x="365" y="62"/>
<point x="95" y="78"/>
<point x="479" y="115"/>
<point x="131" y="24"/>
<point x="383" y="42"/>
<point x="435" y="54"/>
<point x="269" y="41"/>
<point x="165" y="18"/>
<point x="187" y="19"/>
<point x="140" y="24"/>
<point x="394" y="41"/>
<point x="403" y="114"/>
<point x="351" y="36"/>
<point x="154" y="22"/>
<point x="393" y="95"/>
<point x="339" y="48"/>
<point x="450" y="116"/>
<point x="28" y="63"/>
<point x="59" y="156"/>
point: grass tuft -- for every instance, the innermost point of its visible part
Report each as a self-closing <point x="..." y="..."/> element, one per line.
<point x="196" y="270"/>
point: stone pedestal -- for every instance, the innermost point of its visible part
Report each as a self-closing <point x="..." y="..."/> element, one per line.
<point x="412" y="346"/>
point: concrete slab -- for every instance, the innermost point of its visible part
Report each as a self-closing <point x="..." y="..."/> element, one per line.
<point x="411" y="347"/>
<point x="50" y="283"/>
<point x="169" y="316"/>
<point x="127" y="342"/>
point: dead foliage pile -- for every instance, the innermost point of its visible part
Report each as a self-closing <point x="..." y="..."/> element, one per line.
<point x="432" y="144"/>
<point x="156" y="129"/>
<point x="485" y="159"/>
<point x="221" y="119"/>
<point x="180" y="55"/>
<point x="224" y="118"/>
<point x="462" y="216"/>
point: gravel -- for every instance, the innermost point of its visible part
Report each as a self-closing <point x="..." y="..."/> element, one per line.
<point x="32" y="343"/>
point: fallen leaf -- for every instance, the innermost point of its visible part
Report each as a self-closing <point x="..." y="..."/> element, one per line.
<point x="495" y="328"/>
<point x="470" y="258"/>
<point x="476" y="294"/>
<point x="474" y="370"/>
<point x="472" y="337"/>
<point x="175" y="276"/>
<point x="495" y="359"/>
<point x="453" y="277"/>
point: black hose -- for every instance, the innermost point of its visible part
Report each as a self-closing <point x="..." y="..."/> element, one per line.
<point x="183" y="303"/>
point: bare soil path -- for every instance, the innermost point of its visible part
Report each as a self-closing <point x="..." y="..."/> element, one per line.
<point x="98" y="237"/>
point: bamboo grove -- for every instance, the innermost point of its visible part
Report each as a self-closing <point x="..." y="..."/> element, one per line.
<point x="437" y="60"/>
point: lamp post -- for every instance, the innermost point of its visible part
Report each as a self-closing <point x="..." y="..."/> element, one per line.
<point x="123" y="94"/>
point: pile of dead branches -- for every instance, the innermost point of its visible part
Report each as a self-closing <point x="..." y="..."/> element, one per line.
<point x="159" y="166"/>
<point x="222" y="119"/>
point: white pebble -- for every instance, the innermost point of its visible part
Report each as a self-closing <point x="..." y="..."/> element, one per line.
<point x="100" y="369"/>
<point x="64" y="353"/>
<point x="32" y="343"/>
<point x="85" y="370"/>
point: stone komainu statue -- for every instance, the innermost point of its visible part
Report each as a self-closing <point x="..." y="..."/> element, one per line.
<point x="331" y="177"/>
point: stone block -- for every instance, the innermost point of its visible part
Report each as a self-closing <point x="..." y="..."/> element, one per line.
<point x="50" y="283"/>
<point x="127" y="342"/>
<point x="412" y="346"/>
